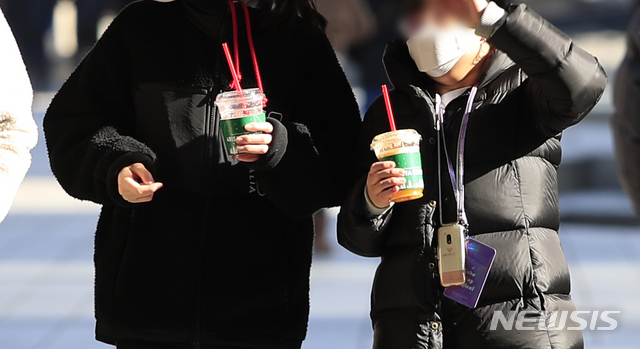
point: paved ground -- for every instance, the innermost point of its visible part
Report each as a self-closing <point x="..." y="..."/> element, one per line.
<point x="46" y="285"/>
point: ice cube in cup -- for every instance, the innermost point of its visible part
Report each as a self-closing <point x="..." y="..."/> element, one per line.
<point x="237" y="109"/>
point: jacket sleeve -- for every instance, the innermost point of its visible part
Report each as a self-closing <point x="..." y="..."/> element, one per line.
<point x="316" y="170"/>
<point x="89" y="123"/>
<point x="626" y="122"/>
<point x="358" y="230"/>
<point x="18" y="130"/>
<point x="565" y="82"/>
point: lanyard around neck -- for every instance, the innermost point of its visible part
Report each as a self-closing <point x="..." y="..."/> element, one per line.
<point x="456" y="175"/>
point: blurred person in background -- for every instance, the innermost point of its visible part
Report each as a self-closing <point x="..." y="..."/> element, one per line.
<point x="18" y="130"/>
<point x="195" y="248"/>
<point x="89" y="13"/>
<point x="367" y="53"/>
<point x="626" y="122"/>
<point x="532" y="83"/>
<point x="349" y="22"/>
<point x="30" y="21"/>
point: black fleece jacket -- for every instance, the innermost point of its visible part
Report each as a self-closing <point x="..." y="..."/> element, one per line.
<point x="221" y="256"/>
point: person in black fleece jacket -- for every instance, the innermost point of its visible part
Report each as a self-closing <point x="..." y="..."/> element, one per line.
<point x="217" y="252"/>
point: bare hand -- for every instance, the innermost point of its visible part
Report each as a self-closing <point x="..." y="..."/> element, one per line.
<point x="468" y="12"/>
<point x="253" y="147"/>
<point x="136" y="184"/>
<point x="383" y="181"/>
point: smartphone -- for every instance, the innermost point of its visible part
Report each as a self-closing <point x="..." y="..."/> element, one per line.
<point x="452" y="254"/>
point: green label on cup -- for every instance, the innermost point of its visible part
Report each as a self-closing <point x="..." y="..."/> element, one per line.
<point x="234" y="128"/>
<point x="411" y="163"/>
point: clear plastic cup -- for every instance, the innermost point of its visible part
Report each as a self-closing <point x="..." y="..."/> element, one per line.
<point x="403" y="148"/>
<point x="237" y="109"/>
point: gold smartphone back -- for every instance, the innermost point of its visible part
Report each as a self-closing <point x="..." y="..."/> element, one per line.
<point x="451" y="255"/>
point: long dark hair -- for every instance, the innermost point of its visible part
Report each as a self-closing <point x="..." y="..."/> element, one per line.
<point x="282" y="13"/>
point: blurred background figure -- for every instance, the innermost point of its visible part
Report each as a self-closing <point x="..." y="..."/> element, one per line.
<point x="626" y="123"/>
<point x="89" y="13"/>
<point x="350" y="22"/>
<point x="18" y="132"/>
<point x="30" y="21"/>
<point x="590" y="192"/>
<point x="368" y="54"/>
<point x="54" y="35"/>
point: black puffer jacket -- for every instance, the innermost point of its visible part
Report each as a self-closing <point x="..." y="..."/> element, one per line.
<point x="221" y="256"/>
<point x="513" y="152"/>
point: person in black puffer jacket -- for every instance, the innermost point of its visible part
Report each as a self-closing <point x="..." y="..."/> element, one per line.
<point x="533" y="83"/>
<point x="194" y="249"/>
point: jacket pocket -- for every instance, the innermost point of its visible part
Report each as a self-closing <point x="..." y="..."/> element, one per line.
<point x="172" y="120"/>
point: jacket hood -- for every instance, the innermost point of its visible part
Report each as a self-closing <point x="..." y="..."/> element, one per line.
<point x="401" y="69"/>
<point x="206" y="14"/>
<point x="403" y="72"/>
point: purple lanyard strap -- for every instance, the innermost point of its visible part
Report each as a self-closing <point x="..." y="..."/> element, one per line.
<point x="457" y="174"/>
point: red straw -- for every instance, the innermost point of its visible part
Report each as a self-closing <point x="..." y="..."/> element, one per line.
<point x="232" y="67"/>
<point x="387" y="101"/>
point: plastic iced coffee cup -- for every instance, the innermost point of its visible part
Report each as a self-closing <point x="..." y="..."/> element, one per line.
<point x="403" y="148"/>
<point x="237" y="109"/>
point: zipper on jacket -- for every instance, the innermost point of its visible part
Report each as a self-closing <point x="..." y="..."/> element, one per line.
<point x="207" y="158"/>
<point x="211" y="127"/>
<point x="429" y="103"/>
<point x="211" y="156"/>
<point x="206" y="187"/>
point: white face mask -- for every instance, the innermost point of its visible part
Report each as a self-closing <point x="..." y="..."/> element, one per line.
<point x="436" y="51"/>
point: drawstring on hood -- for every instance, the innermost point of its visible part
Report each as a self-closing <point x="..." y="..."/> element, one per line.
<point x="252" y="49"/>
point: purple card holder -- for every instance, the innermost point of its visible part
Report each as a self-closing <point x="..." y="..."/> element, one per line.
<point x="480" y="258"/>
